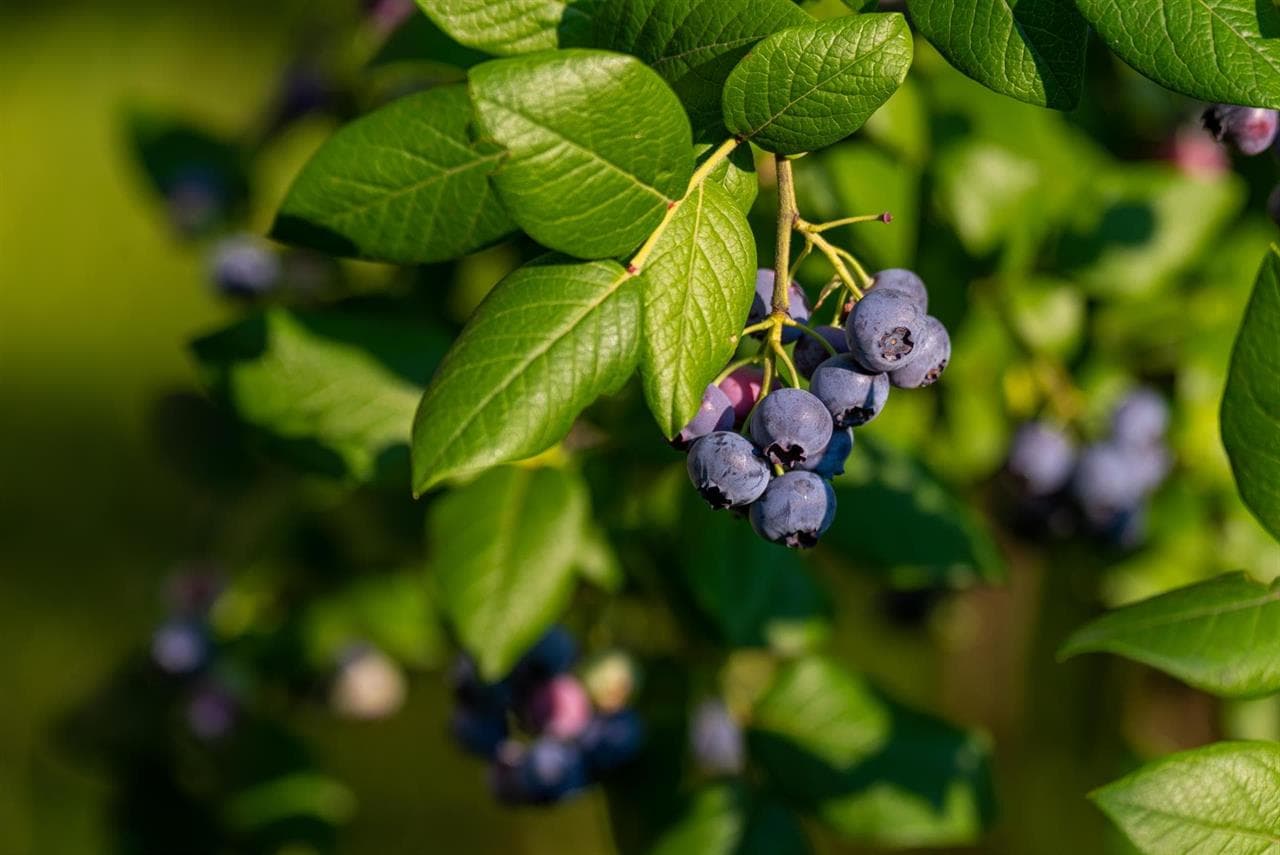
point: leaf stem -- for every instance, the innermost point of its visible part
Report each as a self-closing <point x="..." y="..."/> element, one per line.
<point x="734" y="366"/>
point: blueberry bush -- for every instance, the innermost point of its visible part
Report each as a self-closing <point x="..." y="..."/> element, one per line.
<point x="617" y="292"/>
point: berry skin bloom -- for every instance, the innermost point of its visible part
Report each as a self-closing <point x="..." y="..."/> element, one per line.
<point x="883" y="330"/>
<point x="810" y="353"/>
<point x="762" y="305"/>
<point x="795" y="511"/>
<point x="727" y="470"/>
<point x="930" y="358"/>
<point x="1251" y="130"/>
<point x="906" y="282"/>
<point x="791" y="427"/>
<point x="715" y="413"/>
<point x="853" y="395"/>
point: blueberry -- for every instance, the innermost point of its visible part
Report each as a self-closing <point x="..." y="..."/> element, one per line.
<point x="610" y="741"/>
<point x="1106" y="482"/>
<point x="715" y="413"/>
<point x="1251" y="130"/>
<point x="883" y="329"/>
<point x="505" y="774"/>
<point x="727" y="470"/>
<point x="244" y="266"/>
<point x="472" y="692"/>
<point x="1041" y="458"/>
<point x="559" y="708"/>
<point x="551" y="770"/>
<point x="810" y="353"/>
<point x="853" y="395"/>
<point x="212" y="711"/>
<point x="929" y="359"/>
<point x="1141" y="418"/>
<point x="762" y="305"/>
<point x="553" y="654"/>
<point x="716" y="739"/>
<point x="796" y="509"/>
<point x="905" y="282"/>
<point x="743" y="389"/>
<point x="179" y="647"/>
<point x="479" y="731"/>
<point x="792" y="427"/>
<point x="831" y="463"/>
<point x="1148" y="466"/>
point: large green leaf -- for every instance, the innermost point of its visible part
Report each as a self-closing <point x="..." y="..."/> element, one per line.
<point x="1251" y="406"/>
<point x="1223" y="799"/>
<point x="334" y="391"/>
<point x="513" y="26"/>
<point x="503" y="552"/>
<point x="1032" y="50"/>
<point x="1222" y="635"/>
<point x="1217" y="50"/>
<point x="404" y="184"/>
<point x="547" y="341"/>
<point x="873" y="771"/>
<point x="697" y="286"/>
<point x="598" y="144"/>
<point x="723" y="819"/>
<point x="736" y="174"/>
<point x="693" y="44"/>
<point x="810" y="86"/>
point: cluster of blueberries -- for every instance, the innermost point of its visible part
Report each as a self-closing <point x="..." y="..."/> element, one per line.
<point x="796" y="440"/>
<point x="1106" y="484"/>
<point x="1251" y="131"/>
<point x="548" y="733"/>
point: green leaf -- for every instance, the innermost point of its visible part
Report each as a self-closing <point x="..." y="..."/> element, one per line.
<point x="1251" y="406"/>
<point x="335" y="391"/>
<point x="1216" y="50"/>
<point x="908" y="525"/>
<point x="875" y="772"/>
<point x="573" y="180"/>
<point x="513" y="26"/>
<point x="985" y="192"/>
<point x="503" y="554"/>
<point x="393" y="611"/>
<point x="693" y="44"/>
<point x="1221" y="636"/>
<point x="810" y="86"/>
<point x="736" y="174"/>
<point x="1220" y="799"/>
<point x="697" y="285"/>
<point x="404" y="184"/>
<point x="547" y="341"/>
<point x="1032" y="50"/>
<point x="723" y="819"/>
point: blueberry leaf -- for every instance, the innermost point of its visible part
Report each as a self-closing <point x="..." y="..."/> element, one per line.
<point x="1216" y="50"/>
<point x="693" y="44"/>
<point x="810" y="86"/>
<point x="697" y="286"/>
<point x="1220" y="636"/>
<point x="1032" y="50"/>
<point x="504" y="552"/>
<point x="404" y="184"/>
<point x="333" y="391"/>
<point x="725" y="819"/>
<point x="547" y="341"/>
<point x="1251" y="405"/>
<point x="736" y="174"/>
<point x="572" y="179"/>
<point x="513" y="26"/>
<point x="1219" y="798"/>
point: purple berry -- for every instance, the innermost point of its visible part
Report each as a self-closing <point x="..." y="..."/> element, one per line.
<point x="551" y="770"/>
<point x="1106" y="482"/>
<point x="610" y="741"/>
<point x="1141" y="418"/>
<point x="715" y="413"/>
<point x="810" y="353"/>
<point x="1251" y="130"/>
<point x="852" y="395"/>
<point x="555" y="653"/>
<point x="212" y="712"/>
<point x="505" y="774"/>
<point x="883" y="330"/>
<point x="479" y="731"/>
<point x="833" y="458"/>
<point x="743" y="389"/>
<point x="906" y="282"/>
<point x="727" y="470"/>
<point x="716" y="740"/>
<point x="1041" y="458"/>
<point x="791" y="427"/>
<point x="928" y="360"/>
<point x="795" y="511"/>
<point x="244" y="266"/>
<point x="472" y="692"/>
<point x="179" y="647"/>
<point x="559" y="707"/>
<point x="762" y="305"/>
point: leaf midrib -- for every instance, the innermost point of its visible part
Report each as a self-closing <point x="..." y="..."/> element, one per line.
<point x="1164" y="621"/>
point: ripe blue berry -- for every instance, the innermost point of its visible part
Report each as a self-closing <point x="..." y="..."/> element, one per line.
<point x="505" y="774"/>
<point x="1141" y="418"/>
<point x="883" y="330"/>
<point x="1251" y="130"/>
<point x="796" y="509"/>
<point x="612" y="740"/>
<point x="928" y="360"/>
<point x="554" y="654"/>
<point x="727" y="470"/>
<point x="853" y="395"/>
<point x="1041" y="458"/>
<point x="905" y="282"/>
<point x="716" y="740"/>
<point x="831" y="463"/>
<point x="472" y="692"/>
<point x="1106" y="482"/>
<point x="243" y="266"/>
<point x="762" y="305"/>
<point x="179" y="647"/>
<point x="810" y="353"/>
<point x="479" y="731"/>
<point x="552" y="770"/>
<point x="715" y="413"/>
<point x="791" y="427"/>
